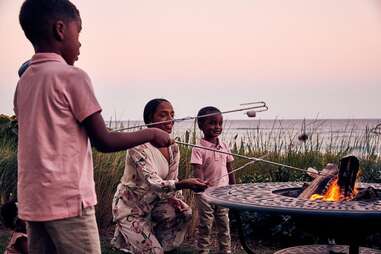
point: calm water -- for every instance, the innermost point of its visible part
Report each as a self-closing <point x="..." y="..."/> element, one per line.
<point x="332" y="134"/>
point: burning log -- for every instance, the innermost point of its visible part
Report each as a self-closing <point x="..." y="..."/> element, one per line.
<point x="349" y="167"/>
<point x="321" y="181"/>
<point x="368" y="194"/>
<point x="334" y="183"/>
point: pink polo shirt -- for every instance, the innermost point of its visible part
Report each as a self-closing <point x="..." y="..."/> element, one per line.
<point x="55" y="167"/>
<point x="213" y="164"/>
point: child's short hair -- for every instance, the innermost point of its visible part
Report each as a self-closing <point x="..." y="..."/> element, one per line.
<point x="23" y="68"/>
<point x="9" y="214"/>
<point x="150" y="109"/>
<point x="205" y="111"/>
<point x="37" y="16"/>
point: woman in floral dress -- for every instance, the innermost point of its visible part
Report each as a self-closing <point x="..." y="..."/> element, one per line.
<point x="148" y="207"/>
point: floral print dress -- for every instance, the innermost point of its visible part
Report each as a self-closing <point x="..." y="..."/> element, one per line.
<point x="150" y="214"/>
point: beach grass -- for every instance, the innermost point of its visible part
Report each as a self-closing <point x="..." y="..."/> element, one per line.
<point x="275" y="145"/>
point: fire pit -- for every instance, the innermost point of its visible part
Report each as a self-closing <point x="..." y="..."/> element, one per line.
<point x="350" y="220"/>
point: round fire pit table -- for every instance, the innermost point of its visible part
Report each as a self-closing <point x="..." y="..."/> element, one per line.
<point x="324" y="249"/>
<point x="351" y="219"/>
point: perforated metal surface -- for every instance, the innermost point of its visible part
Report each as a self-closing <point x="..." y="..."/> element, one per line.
<point x="324" y="249"/>
<point x="331" y="219"/>
<point x="267" y="197"/>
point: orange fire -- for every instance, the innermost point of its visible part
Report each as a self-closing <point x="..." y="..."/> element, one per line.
<point x="333" y="193"/>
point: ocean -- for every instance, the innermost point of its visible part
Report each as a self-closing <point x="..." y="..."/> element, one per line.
<point x="353" y="135"/>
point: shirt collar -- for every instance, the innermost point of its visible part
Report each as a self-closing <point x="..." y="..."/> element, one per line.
<point x="46" y="57"/>
<point x="206" y="143"/>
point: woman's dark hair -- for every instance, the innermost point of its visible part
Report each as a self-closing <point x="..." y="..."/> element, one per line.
<point x="9" y="214"/>
<point x="150" y="109"/>
<point x="37" y="17"/>
<point x="205" y="111"/>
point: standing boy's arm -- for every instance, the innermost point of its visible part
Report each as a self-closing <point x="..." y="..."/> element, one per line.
<point x="106" y="141"/>
<point x="229" y="166"/>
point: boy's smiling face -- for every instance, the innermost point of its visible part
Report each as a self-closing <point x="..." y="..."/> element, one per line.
<point x="70" y="40"/>
<point x="212" y="126"/>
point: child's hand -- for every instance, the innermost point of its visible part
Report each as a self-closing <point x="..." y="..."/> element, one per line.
<point x="160" y="138"/>
<point x="194" y="184"/>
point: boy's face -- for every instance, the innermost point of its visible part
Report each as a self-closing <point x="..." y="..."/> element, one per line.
<point x="164" y="112"/>
<point x="212" y="126"/>
<point x="71" y="44"/>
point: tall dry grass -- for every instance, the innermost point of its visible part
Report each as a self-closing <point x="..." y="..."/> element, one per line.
<point x="276" y="144"/>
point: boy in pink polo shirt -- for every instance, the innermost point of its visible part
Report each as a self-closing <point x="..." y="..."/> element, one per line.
<point x="58" y="114"/>
<point x="213" y="168"/>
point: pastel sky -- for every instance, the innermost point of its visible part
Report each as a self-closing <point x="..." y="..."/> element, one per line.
<point x="305" y="59"/>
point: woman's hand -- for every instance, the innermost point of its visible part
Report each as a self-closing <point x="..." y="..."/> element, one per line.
<point x="194" y="184"/>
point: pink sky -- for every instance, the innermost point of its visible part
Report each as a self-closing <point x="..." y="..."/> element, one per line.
<point x="302" y="57"/>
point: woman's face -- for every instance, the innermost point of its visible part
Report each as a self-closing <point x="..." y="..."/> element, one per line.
<point x="164" y="112"/>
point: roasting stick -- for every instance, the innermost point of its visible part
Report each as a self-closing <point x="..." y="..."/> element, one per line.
<point x="309" y="171"/>
<point x="376" y="130"/>
<point x="251" y="111"/>
<point x="245" y="165"/>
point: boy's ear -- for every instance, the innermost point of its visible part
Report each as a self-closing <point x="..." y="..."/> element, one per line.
<point x="59" y="28"/>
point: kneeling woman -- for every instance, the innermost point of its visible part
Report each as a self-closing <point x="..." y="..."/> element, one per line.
<point x="148" y="208"/>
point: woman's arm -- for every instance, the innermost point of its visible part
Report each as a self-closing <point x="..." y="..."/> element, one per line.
<point x="148" y="170"/>
<point x="193" y="184"/>
<point x="160" y="185"/>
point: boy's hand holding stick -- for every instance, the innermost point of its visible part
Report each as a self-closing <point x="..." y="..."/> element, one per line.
<point x="160" y="138"/>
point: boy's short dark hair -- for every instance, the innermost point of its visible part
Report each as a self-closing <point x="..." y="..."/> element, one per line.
<point x="37" y="16"/>
<point x="205" y="111"/>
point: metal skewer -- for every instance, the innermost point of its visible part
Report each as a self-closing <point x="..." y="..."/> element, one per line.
<point x="376" y="130"/>
<point x="255" y="159"/>
<point x="245" y="165"/>
<point x="259" y="106"/>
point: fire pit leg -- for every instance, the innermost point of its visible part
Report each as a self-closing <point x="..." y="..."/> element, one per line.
<point x="354" y="242"/>
<point x="354" y="248"/>
<point x="244" y="244"/>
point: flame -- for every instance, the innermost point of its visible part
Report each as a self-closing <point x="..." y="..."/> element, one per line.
<point x="334" y="192"/>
